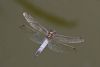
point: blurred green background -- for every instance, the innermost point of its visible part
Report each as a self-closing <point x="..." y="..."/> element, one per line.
<point x="68" y="17"/>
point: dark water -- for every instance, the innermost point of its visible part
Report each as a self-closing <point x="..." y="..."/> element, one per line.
<point x="68" y="17"/>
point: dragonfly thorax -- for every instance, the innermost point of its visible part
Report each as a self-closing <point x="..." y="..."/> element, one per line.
<point x="50" y="34"/>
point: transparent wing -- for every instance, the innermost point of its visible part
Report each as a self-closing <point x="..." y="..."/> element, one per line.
<point x="34" y="24"/>
<point x="68" y="39"/>
<point x="57" y="46"/>
<point x="35" y="36"/>
<point x="61" y="43"/>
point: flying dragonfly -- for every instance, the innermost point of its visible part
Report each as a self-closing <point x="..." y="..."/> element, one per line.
<point x="48" y="38"/>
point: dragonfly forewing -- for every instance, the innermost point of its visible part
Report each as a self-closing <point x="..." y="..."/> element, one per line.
<point x="34" y="24"/>
<point x="68" y="39"/>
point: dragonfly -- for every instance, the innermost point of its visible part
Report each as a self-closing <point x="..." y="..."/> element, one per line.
<point x="48" y="38"/>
